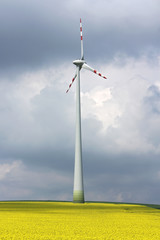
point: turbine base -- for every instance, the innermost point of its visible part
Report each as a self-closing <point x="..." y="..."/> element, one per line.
<point x="78" y="197"/>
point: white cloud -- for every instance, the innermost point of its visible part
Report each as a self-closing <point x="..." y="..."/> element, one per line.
<point x="6" y="169"/>
<point x="119" y="104"/>
<point x="98" y="104"/>
<point x="38" y="112"/>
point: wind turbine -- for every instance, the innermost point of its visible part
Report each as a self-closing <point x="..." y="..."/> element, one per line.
<point x="78" y="190"/>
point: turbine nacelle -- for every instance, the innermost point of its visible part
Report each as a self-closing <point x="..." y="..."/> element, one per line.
<point x="79" y="62"/>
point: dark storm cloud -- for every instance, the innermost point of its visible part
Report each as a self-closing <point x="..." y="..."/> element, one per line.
<point x="37" y="121"/>
<point x="134" y="176"/>
<point x="107" y="176"/>
<point x="35" y="34"/>
<point x="47" y="125"/>
<point x="29" y="35"/>
<point x="125" y="177"/>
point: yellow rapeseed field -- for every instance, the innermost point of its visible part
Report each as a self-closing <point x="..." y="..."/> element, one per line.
<point x="66" y="220"/>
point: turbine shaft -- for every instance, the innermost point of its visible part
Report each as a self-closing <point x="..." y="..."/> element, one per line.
<point x="78" y="191"/>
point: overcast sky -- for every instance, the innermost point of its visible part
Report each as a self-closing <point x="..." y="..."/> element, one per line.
<point x="120" y="115"/>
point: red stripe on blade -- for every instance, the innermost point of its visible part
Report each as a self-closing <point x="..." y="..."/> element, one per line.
<point x="99" y="74"/>
<point x="95" y="71"/>
<point x="81" y="38"/>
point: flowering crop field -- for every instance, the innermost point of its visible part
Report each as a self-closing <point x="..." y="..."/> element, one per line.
<point x="66" y="220"/>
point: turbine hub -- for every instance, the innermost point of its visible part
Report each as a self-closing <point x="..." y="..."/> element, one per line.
<point x="79" y="62"/>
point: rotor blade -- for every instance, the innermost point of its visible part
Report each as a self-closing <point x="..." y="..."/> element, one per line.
<point x="71" y="82"/>
<point x="92" y="70"/>
<point x="82" y="55"/>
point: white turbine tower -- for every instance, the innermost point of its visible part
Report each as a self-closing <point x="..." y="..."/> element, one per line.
<point x="78" y="190"/>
